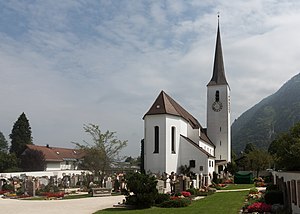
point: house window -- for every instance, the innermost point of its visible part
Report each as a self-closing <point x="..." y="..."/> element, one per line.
<point x="192" y="163"/>
<point x="212" y="163"/>
<point x="67" y="163"/>
<point x="220" y="157"/>
<point x="220" y="128"/>
<point x="173" y="134"/>
<point x="220" y="143"/>
<point x="156" y="139"/>
<point x="201" y="168"/>
<point x="217" y="96"/>
<point x="209" y="163"/>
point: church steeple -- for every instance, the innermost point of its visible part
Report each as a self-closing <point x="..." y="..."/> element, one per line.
<point x="218" y="77"/>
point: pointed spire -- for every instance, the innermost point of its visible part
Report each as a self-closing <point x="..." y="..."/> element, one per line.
<point x="218" y="77"/>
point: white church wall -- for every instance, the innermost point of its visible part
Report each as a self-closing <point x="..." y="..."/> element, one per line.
<point x="180" y="128"/>
<point x="154" y="162"/>
<point x="207" y="147"/>
<point x="190" y="152"/>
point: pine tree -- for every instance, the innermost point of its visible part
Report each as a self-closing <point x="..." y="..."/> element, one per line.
<point x="20" y="135"/>
<point x="3" y="143"/>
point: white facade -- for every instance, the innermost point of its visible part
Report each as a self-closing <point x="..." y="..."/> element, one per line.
<point x="63" y="165"/>
<point x="187" y="146"/>
<point x="218" y="120"/>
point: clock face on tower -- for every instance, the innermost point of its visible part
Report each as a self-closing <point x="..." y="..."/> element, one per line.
<point x="217" y="106"/>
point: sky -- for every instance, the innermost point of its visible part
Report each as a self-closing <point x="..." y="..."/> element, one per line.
<point x="74" y="62"/>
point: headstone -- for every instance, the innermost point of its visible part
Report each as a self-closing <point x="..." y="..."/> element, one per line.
<point x="167" y="186"/>
<point x="108" y="183"/>
<point x="187" y="183"/>
<point x="160" y="186"/>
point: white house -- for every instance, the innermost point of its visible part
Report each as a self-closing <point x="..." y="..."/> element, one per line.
<point x="174" y="138"/>
<point x="58" y="158"/>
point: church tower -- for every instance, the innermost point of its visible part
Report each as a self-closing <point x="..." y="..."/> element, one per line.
<point x="218" y="107"/>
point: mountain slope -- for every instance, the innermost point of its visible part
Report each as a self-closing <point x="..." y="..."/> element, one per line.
<point x="274" y="114"/>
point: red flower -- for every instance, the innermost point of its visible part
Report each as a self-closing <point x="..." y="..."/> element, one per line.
<point x="259" y="207"/>
<point x="186" y="194"/>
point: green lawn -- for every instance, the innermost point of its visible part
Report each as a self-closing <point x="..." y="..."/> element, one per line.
<point x="238" y="186"/>
<point x="223" y="202"/>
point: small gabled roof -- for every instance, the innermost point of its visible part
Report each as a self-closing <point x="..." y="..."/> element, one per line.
<point x="164" y="104"/>
<point x="198" y="147"/>
<point x="218" y="77"/>
<point x="57" y="154"/>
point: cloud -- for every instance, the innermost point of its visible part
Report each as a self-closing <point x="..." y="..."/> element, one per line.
<point x="71" y="63"/>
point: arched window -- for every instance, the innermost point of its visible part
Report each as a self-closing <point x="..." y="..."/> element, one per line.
<point x="156" y="139"/>
<point x="173" y="136"/>
<point x="217" y="96"/>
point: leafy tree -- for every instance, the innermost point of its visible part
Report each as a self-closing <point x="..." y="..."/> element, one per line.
<point x="3" y="143"/>
<point x="258" y="160"/>
<point x="144" y="190"/>
<point x="8" y="162"/>
<point x="20" y="135"/>
<point x="103" y="150"/>
<point x="249" y="148"/>
<point x="286" y="149"/>
<point x="33" y="160"/>
<point x="231" y="167"/>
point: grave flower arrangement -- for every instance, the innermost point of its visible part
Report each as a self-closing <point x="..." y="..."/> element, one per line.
<point x="259" y="207"/>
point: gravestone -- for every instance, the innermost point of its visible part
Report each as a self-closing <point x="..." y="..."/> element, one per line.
<point x="167" y="186"/>
<point x="160" y="186"/>
<point x="108" y="183"/>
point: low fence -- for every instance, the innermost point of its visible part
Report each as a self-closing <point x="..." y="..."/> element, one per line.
<point x="289" y="184"/>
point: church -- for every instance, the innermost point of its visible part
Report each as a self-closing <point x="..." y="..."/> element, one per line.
<point x="174" y="138"/>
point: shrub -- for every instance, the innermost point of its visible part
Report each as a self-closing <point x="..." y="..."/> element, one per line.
<point x="259" y="207"/>
<point x="272" y="187"/>
<point x="8" y="187"/>
<point x="193" y="191"/>
<point x="176" y="202"/>
<point x="253" y="190"/>
<point x="160" y="198"/>
<point x="274" y="197"/>
<point x="143" y="188"/>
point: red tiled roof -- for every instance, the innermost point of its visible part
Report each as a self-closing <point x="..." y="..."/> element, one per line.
<point x="164" y="104"/>
<point x="57" y="154"/>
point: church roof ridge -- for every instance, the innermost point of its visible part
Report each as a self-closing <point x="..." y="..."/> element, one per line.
<point x="164" y="104"/>
<point x="218" y="77"/>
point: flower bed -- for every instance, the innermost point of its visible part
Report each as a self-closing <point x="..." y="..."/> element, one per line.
<point x="4" y="191"/>
<point x="53" y="194"/>
<point x="259" y="207"/>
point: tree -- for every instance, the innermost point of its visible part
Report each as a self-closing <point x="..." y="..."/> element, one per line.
<point x="3" y="143"/>
<point x="249" y="148"/>
<point x="258" y="160"/>
<point x="33" y="160"/>
<point x="8" y="162"/>
<point x="285" y="149"/>
<point x="20" y="135"/>
<point x="104" y="149"/>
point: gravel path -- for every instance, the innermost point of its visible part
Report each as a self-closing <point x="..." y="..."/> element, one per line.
<point x="72" y="206"/>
